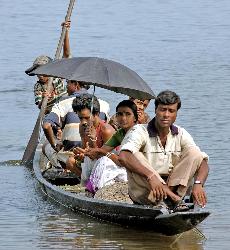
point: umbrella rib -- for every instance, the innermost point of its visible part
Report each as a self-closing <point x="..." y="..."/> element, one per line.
<point x="107" y="72"/>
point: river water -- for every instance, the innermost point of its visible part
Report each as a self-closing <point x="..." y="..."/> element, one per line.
<point x="177" y="45"/>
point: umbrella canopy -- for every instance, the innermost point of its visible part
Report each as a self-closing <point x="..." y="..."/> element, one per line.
<point x="100" y="72"/>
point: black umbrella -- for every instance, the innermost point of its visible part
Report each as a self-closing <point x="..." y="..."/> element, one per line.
<point x="99" y="72"/>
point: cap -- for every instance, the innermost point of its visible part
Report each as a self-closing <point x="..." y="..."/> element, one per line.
<point x="40" y="60"/>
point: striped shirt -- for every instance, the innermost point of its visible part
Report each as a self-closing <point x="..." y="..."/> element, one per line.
<point x="58" y="90"/>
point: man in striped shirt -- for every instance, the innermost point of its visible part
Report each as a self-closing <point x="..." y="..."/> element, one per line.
<point x="58" y="86"/>
<point x="40" y="90"/>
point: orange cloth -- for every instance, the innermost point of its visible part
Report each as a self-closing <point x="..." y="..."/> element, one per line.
<point x="99" y="141"/>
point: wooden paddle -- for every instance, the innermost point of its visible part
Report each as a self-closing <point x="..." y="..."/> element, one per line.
<point x="34" y="139"/>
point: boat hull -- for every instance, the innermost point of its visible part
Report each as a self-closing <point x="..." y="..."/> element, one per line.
<point x="131" y="215"/>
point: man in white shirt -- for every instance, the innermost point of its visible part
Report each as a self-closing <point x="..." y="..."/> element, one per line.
<point x="162" y="159"/>
<point x="62" y="121"/>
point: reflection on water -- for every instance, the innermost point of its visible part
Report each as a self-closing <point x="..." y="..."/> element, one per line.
<point x="11" y="163"/>
<point x="28" y="220"/>
<point x="69" y="230"/>
<point x="85" y="233"/>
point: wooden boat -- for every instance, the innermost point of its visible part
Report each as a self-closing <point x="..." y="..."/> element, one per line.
<point x="131" y="215"/>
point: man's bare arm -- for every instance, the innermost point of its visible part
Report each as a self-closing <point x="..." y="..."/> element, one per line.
<point x="129" y="161"/>
<point x="159" y="188"/>
<point x="198" y="191"/>
<point x="48" y="131"/>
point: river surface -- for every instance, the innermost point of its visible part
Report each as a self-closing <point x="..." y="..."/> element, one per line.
<point x="177" y="45"/>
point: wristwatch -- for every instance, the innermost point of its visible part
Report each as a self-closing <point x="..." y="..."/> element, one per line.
<point x="198" y="182"/>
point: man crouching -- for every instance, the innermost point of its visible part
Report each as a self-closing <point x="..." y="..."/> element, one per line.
<point x="162" y="159"/>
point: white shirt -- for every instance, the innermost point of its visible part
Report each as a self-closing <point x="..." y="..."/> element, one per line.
<point x="63" y="107"/>
<point x="162" y="159"/>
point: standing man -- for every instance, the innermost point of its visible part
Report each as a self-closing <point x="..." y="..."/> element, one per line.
<point x="162" y="159"/>
<point x="58" y="86"/>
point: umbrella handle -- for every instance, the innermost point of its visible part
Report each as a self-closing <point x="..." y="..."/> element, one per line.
<point x="33" y="142"/>
<point x="91" y="111"/>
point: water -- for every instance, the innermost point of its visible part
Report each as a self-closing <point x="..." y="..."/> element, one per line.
<point x="177" y="45"/>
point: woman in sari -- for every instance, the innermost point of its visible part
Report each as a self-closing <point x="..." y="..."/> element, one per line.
<point x="106" y="169"/>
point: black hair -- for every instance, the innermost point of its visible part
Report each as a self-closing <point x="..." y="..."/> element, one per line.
<point x="85" y="101"/>
<point x="130" y="104"/>
<point x="83" y="85"/>
<point x="167" y="97"/>
<point x="133" y="98"/>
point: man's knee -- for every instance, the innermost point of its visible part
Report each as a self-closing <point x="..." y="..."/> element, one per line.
<point x="193" y="154"/>
<point x="70" y="163"/>
<point x="51" y="154"/>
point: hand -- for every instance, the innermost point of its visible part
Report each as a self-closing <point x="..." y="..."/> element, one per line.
<point x="158" y="189"/>
<point x="93" y="153"/>
<point x="199" y="195"/>
<point x="90" y="132"/>
<point x="66" y="24"/>
<point x="49" y="95"/>
<point x="79" y="153"/>
<point x="45" y="93"/>
<point x="59" y="133"/>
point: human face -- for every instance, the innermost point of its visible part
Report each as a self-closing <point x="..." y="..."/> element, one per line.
<point x="71" y="87"/>
<point x="146" y="103"/>
<point x="140" y="108"/>
<point x="165" y="115"/>
<point x="140" y="105"/>
<point x="125" y="118"/>
<point x="43" y="79"/>
<point x="84" y="116"/>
